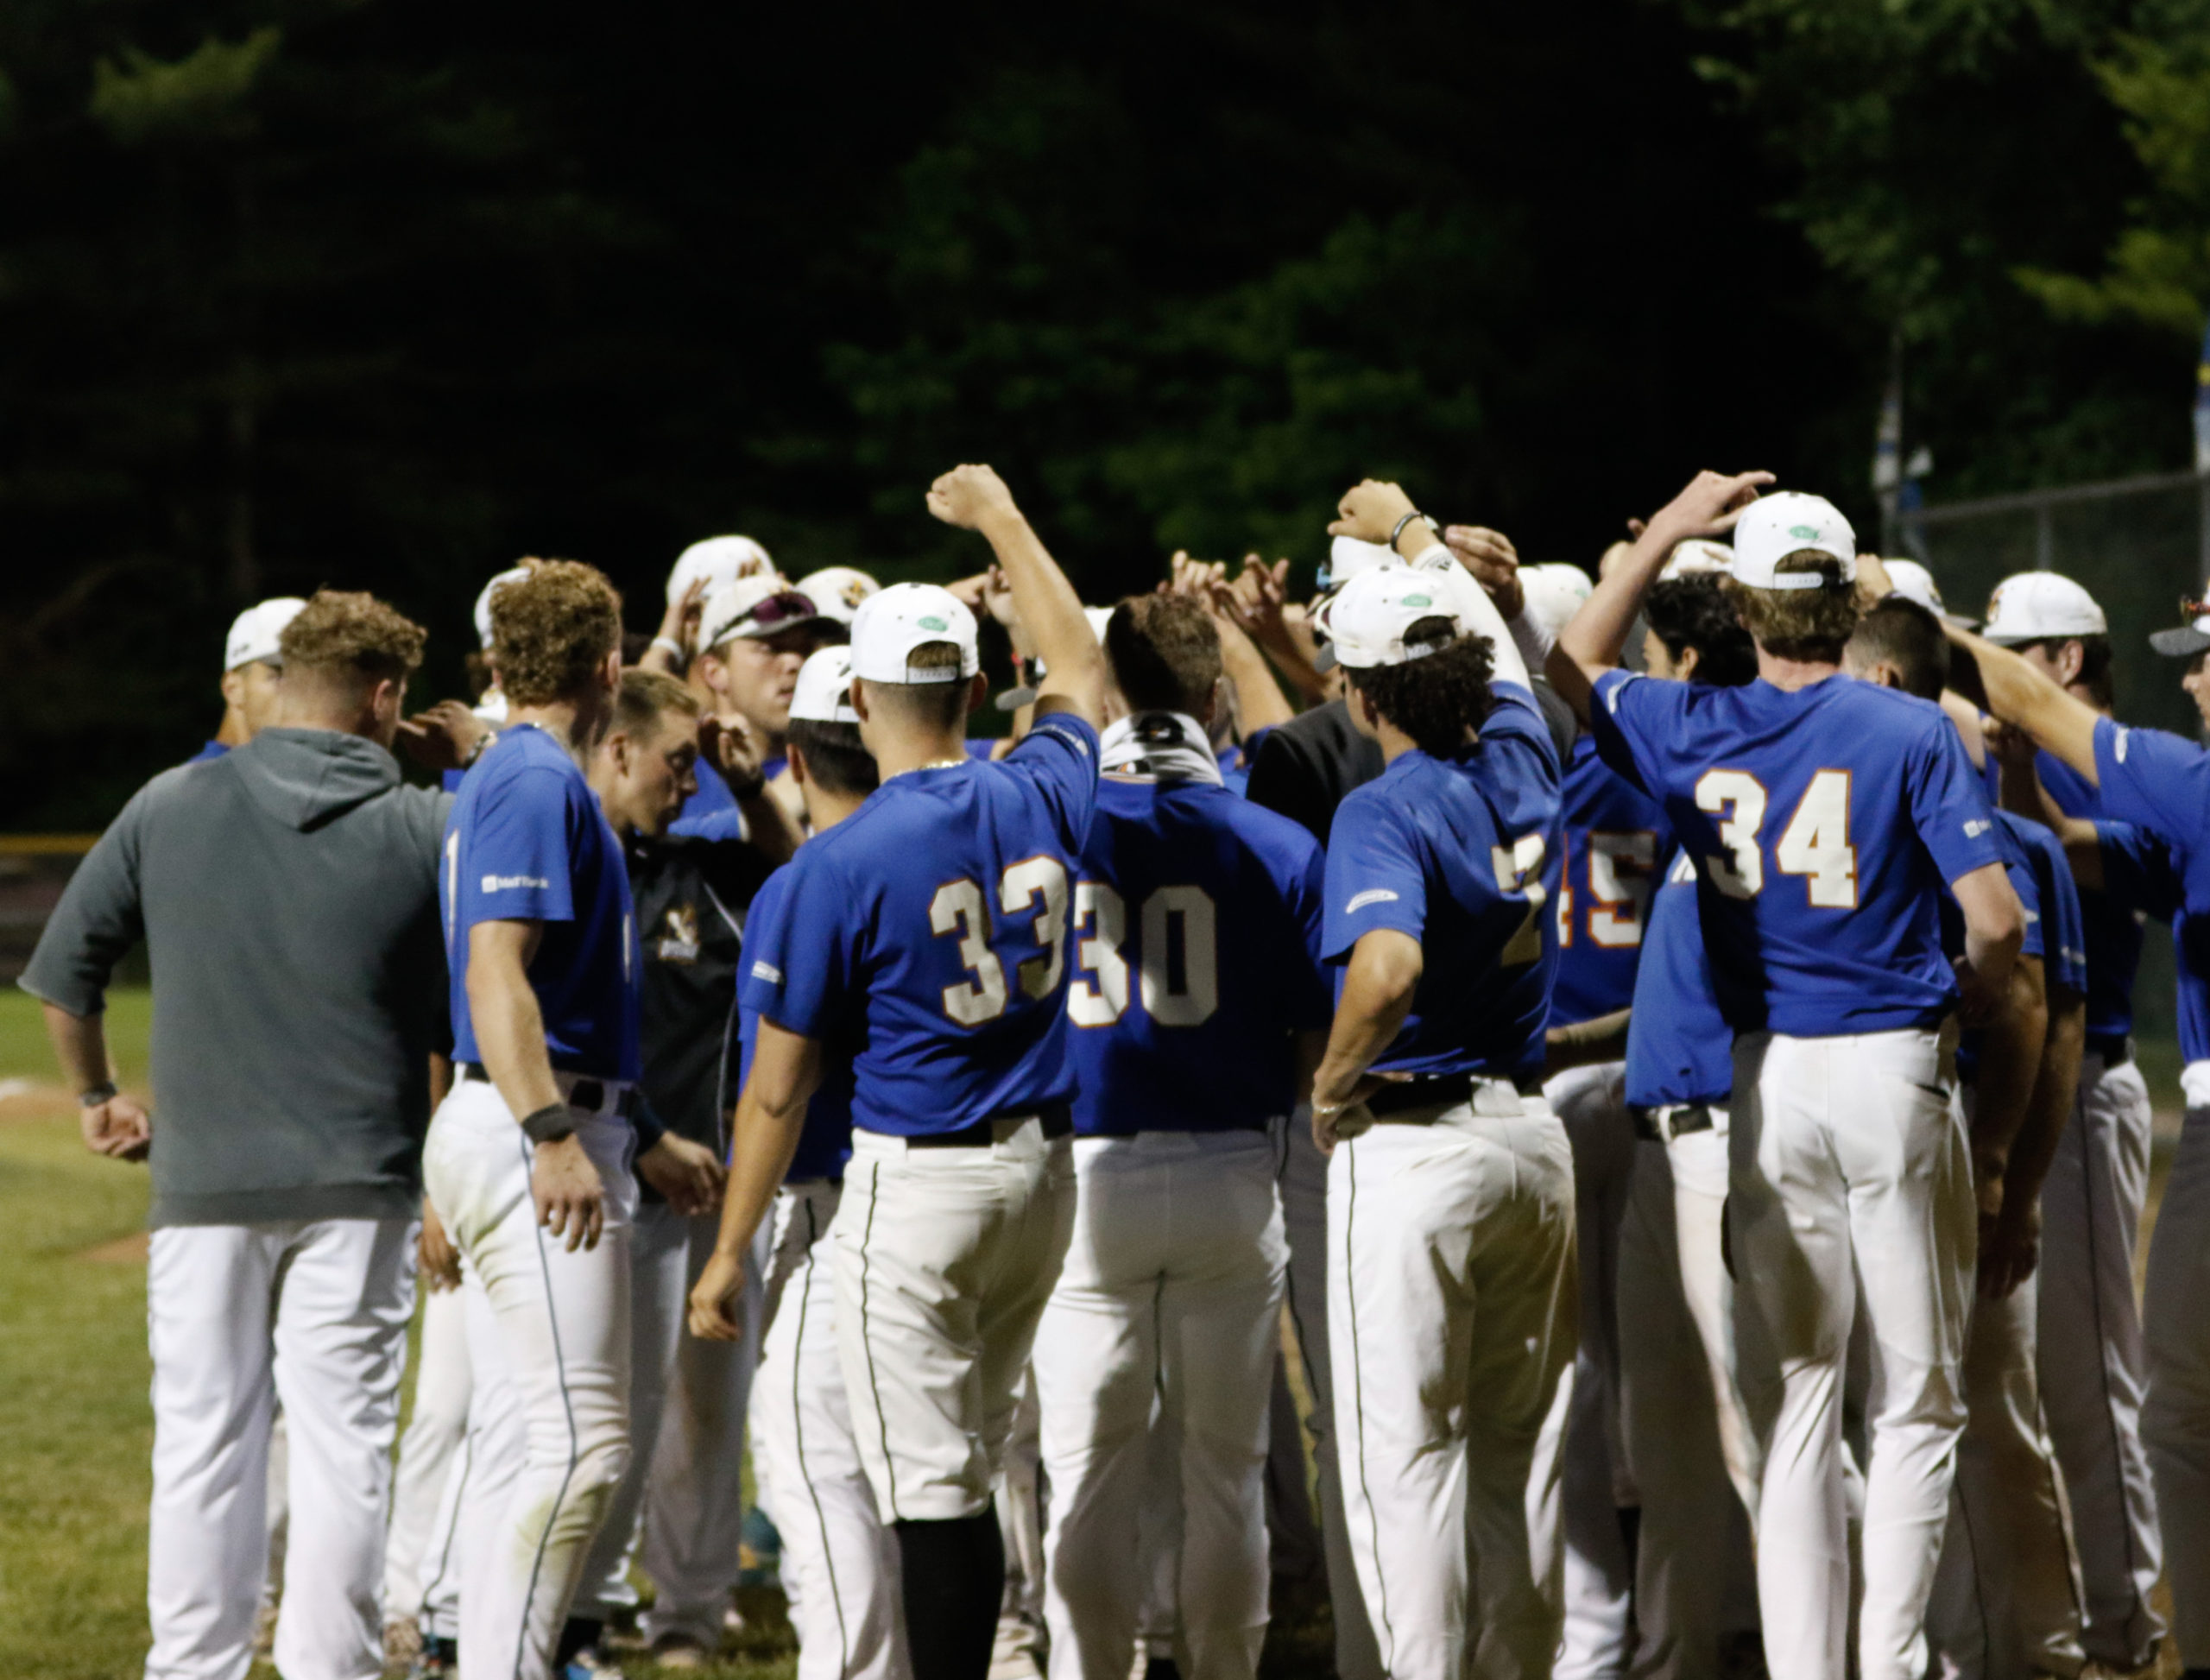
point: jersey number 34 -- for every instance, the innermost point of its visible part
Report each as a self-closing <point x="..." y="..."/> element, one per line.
<point x="1814" y="844"/>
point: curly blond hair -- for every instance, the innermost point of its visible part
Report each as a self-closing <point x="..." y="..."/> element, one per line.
<point x="350" y="634"/>
<point x="551" y="630"/>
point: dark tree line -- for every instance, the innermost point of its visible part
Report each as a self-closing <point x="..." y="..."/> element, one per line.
<point x="382" y="294"/>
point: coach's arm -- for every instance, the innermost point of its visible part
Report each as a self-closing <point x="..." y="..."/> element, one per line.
<point x="1594" y="637"/>
<point x="785" y="1073"/>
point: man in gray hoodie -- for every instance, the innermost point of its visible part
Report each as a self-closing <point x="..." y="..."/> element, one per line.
<point x="286" y="893"/>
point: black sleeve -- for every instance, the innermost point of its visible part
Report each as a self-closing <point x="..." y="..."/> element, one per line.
<point x="1284" y="779"/>
<point x="1564" y="726"/>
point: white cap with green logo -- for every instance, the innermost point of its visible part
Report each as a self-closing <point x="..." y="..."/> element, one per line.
<point x="1789" y="522"/>
<point x="1366" y="620"/>
<point x="893" y="623"/>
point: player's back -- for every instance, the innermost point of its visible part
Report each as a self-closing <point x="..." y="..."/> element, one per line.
<point x="1461" y="853"/>
<point x="1824" y="821"/>
<point x="1615" y="837"/>
<point x="933" y="922"/>
<point x="1197" y="922"/>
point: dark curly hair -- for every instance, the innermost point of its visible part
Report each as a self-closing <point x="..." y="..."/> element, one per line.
<point x="1437" y="700"/>
<point x="1694" y="611"/>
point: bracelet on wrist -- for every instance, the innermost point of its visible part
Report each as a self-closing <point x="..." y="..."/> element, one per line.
<point x="92" y="1096"/>
<point x="1397" y="531"/>
<point x="550" y="1124"/>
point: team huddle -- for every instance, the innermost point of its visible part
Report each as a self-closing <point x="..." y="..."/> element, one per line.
<point x="1653" y="1051"/>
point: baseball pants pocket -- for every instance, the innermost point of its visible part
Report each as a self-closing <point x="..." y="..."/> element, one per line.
<point x="944" y="1258"/>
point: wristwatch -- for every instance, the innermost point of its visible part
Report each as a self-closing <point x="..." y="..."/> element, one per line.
<point x="96" y="1095"/>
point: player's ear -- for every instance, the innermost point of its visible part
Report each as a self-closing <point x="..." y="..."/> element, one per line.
<point x="797" y="755"/>
<point x="859" y="699"/>
<point x="978" y="690"/>
<point x="1684" y="667"/>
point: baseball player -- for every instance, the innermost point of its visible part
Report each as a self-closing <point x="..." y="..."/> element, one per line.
<point x="251" y="664"/>
<point x="1195" y="917"/>
<point x="2005" y="1595"/>
<point x="1824" y="815"/>
<point x="753" y="636"/>
<point x="840" y="1562"/>
<point x="1450" y="1243"/>
<point x="2161" y="784"/>
<point x="837" y="591"/>
<point x="933" y="925"/>
<point x="1691" y="1450"/>
<point x="1613" y="838"/>
<point x="2093" y="1368"/>
<point x="528" y="1158"/>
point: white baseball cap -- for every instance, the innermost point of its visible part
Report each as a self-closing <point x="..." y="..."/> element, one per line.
<point x="837" y="590"/>
<point x="2029" y="606"/>
<point x="512" y="574"/>
<point x="1555" y="591"/>
<point x="1789" y="522"/>
<point x="2190" y="638"/>
<point x="824" y="694"/>
<point x="719" y="560"/>
<point x="1366" y="620"/>
<point x="256" y="633"/>
<point x="760" y="605"/>
<point x="1696" y="554"/>
<point x="892" y="623"/>
<point x="1349" y="556"/>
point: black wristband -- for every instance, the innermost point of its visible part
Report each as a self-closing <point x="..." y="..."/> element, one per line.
<point x="745" y="792"/>
<point x="92" y="1097"/>
<point x="1399" y="529"/>
<point x="550" y="1124"/>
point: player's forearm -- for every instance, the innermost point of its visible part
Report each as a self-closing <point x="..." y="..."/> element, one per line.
<point x="79" y="1044"/>
<point x="1586" y="1043"/>
<point x="2059" y="723"/>
<point x="1259" y="703"/>
<point x="2056" y="1084"/>
<point x="1075" y="665"/>
<point x="1594" y="637"/>
<point x="2010" y="1062"/>
<point x="1378" y="989"/>
<point x="510" y="1037"/>
<point x="1506" y="663"/>
<point x="763" y="1142"/>
<point x="769" y="826"/>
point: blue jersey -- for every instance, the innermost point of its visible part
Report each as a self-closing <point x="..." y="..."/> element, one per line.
<point x="1615" y="837"/>
<point x="824" y="1144"/>
<point x="2033" y="858"/>
<point x="527" y="842"/>
<point x="1462" y="854"/>
<point x="2113" y="917"/>
<point x="932" y="925"/>
<point x="2161" y="784"/>
<point x="1679" y="1048"/>
<point x="1197" y="928"/>
<point x="1823" y="824"/>
<point x="711" y="797"/>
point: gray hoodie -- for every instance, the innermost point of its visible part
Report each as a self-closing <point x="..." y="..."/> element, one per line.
<point x="288" y="895"/>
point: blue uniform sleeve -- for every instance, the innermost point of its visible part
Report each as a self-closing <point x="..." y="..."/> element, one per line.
<point x="2156" y="779"/>
<point x="1373" y="877"/>
<point x="2137" y="869"/>
<point x="1058" y="757"/>
<point x="798" y="956"/>
<point x="2064" y="925"/>
<point x="517" y="860"/>
<point x="1949" y="806"/>
<point x="1633" y="718"/>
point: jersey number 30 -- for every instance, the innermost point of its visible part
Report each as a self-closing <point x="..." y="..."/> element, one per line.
<point x="958" y="909"/>
<point x="1179" y="975"/>
<point x="1814" y="844"/>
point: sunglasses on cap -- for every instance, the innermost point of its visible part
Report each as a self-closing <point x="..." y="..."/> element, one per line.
<point x="785" y="608"/>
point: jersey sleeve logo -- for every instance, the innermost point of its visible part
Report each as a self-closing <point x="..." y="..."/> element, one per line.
<point x="513" y="883"/>
<point x="2118" y="738"/>
<point x="1371" y="895"/>
<point x="768" y="972"/>
<point x="1976" y="826"/>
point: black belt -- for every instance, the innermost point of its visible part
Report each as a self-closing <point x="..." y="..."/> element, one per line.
<point x="1687" y="1117"/>
<point x="583" y="1094"/>
<point x="1057" y="1119"/>
<point x="2115" y="1048"/>
<point x="1443" y="1091"/>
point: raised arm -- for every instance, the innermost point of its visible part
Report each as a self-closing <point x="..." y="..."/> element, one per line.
<point x="2022" y="794"/>
<point x="1373" y="511"/>
<point x="2059" y="723"/>
<point x="1593" y="640"/>
<point x="785" y="1073"/>
<point x="975" y="498"/>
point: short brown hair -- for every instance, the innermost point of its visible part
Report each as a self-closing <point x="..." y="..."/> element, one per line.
<point x="645" y="697"/>
<point x="937" y="704"/>
<point x="1800" y="623"/>
<point x="349" y="633"/>
<point x="1165" y="653"/>
<point x="551" y="630"/>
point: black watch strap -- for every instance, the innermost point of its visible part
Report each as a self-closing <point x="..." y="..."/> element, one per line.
<point x="92" y="1097"/>
<point x="550" y="1124"/>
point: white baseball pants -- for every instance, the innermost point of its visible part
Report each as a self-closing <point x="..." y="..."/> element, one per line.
<point x="1451" y="1292"/>
<point x="1303" y="1177"/>
<point x="2006" y="1595"/>
<point x="1695" y="1579"/>
<point x="2175" y="1417"/>
<point x="1171" y="1290"/>
<point x="313" y="1312"/>
<point x="944" y="1258"/>
<point x="840" y="1564"/>
<point x="549" y="1425"/>
<point x="1850" y="1171"/>
<point x="2094" y="1365"/>
<point x="694" y="1498"/>
<point x="1591" y="1103"/>
<point x="419" y="1554"/>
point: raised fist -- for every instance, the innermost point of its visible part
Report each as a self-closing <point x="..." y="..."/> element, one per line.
<point x="966" y="496"/>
